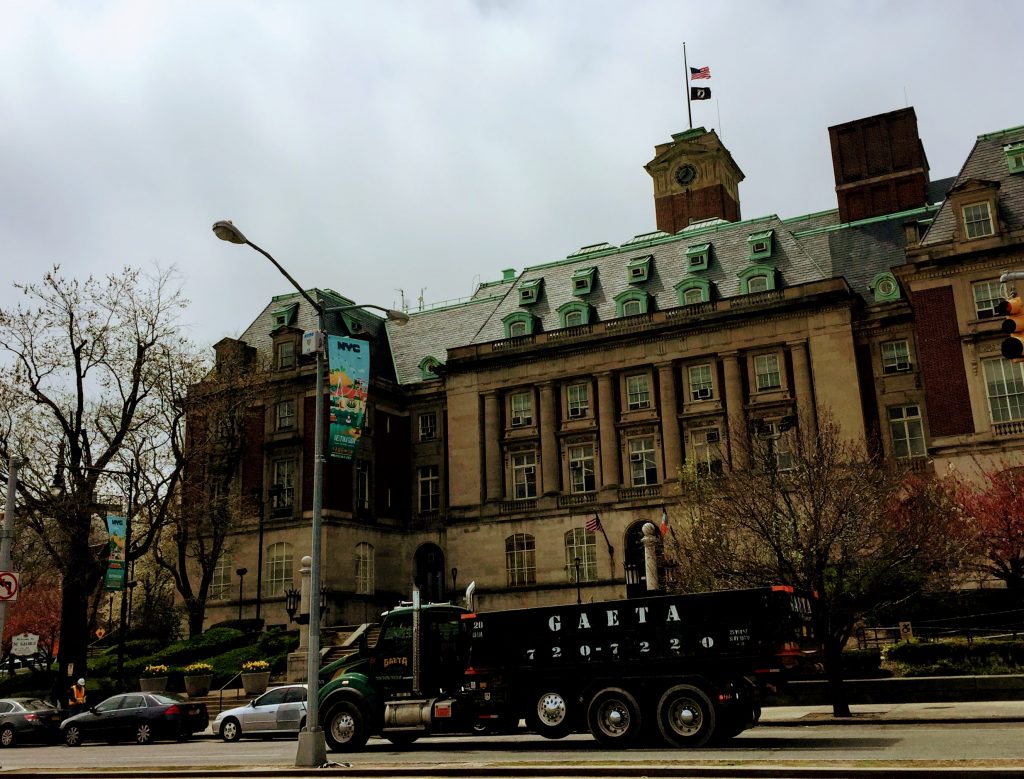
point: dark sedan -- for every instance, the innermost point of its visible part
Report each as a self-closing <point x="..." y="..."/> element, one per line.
<point x="141" y="717"/>
<point x="28" y="719"/>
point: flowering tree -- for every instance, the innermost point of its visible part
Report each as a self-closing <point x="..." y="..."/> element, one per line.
<point x="37" y="611"/>
<point x="996" y="507"/>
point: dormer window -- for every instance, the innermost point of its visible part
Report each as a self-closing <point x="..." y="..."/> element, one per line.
<point x="978" y="220"/>
<point x="1014" y="157"/>
<point x="885" y="288"/>
<point x="428" y="367"/>
<point x="529" y="292"/>
<point x="697" y="256"/>
<point x="284" y="316"/>
<point x="757" y="278"/>
<point x="631" y="302"/>
<point x="692" y="291"/>
<point x="518" y="324"/>
<point x="760" y="245"/>
<point x="284" y="354"/>
<point x="582" y="281"/>
<point x="574" y="314"/>
<point x="638" y="269"/>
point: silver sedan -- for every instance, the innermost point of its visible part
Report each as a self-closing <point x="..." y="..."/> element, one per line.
<point x="281" y="710"/>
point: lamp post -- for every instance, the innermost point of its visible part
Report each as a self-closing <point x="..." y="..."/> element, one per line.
<point x="273" y="492"/>
<point x="241" y="578"/>
<point x="579" y="597"/>
<point x="312" y="751"/>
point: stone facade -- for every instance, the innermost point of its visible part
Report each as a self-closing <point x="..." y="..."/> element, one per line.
<point x="499" y="427"/>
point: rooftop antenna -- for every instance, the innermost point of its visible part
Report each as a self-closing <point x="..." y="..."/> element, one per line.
<point x="475" y="285"/>
<point x="422" y="290"/>
<point x="401" y="293"/>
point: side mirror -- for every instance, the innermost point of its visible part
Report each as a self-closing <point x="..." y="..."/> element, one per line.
<point x="253" y="703"/>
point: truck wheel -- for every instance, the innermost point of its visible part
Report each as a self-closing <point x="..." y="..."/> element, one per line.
<point x="549" y="715"/>
<point x="686" y="717"/>
<point x="345" y="727"/>
<point x="614" y="717"/>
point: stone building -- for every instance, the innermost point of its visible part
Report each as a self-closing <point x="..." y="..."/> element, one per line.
<point x="501" y="427"/>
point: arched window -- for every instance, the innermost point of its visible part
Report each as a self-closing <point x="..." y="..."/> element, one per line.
<point x="518" y="324"/>
<point x="220" y="582"/>
<point x="574" y="314"/>
<point x="364" y="569"/>
<point x="278" y="574"/>
<point x="631" y="302"/>
<point x="580" y="545"/>
<point x="757" y="278"/>
<point x="520" y="560"/>
<point x="691" y="291"/>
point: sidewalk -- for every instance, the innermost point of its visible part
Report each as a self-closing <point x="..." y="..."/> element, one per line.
<point x="897" y="713"/>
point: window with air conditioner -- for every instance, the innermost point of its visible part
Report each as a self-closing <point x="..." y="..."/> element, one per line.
<point x="987" y="295"/>
<point x="428" y="426"/>
<point x="704" y="453"/>
<point x="895" y="356"/>
<point x="638" y="393"/>
<point x="577" y="397"/>
<point x="582" y="476"/>
<point x="642" y="462"/>
<point x="521" y="406"/>
<point x="699" y="380"/>
<point x="524" y="475"/>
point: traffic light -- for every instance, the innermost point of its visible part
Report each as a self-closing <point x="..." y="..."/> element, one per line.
<point x="1013" y="326"/>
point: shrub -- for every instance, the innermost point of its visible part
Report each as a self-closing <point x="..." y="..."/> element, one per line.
<point x="245" y="625"/>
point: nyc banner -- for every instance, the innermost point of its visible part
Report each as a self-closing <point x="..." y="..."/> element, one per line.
<point x="349" y="363"/>
<point x="115" y="553"/>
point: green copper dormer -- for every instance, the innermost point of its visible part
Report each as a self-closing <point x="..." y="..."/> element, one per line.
<point x="519" y="324"/>
<point x="427" y="366"/>
<point x="697" y="257"/>
<point x="529" y="291"/>
<point x="632" y="302"/>
<point x="638" y="269"/>
<point x="885" y="288"/>
<point x="574" y="314"/>
<point x="692" y="290"/>
<point x="583" y="281"/>
<point x="757" y="278"/>
<point x="284" y="316"/>
<point x="760" y="245"/>
<point x="1014" y="157"/>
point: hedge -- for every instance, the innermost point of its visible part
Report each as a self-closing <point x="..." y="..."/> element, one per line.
<point x="920" y="658"/>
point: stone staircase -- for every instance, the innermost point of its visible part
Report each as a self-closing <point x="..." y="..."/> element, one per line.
<point x="350" y="642"/>
<point x="216" y="701"/>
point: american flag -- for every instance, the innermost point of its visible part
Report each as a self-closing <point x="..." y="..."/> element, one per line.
<point x="696" y="73"/>
<point x="664" y="522"/>
<point x="594" y="524"/>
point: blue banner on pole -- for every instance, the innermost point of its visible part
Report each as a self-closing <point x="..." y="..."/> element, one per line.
<point x="115" y="553"/>
<point x="349" y="363"/>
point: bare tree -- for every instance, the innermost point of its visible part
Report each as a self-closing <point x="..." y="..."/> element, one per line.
<point x="87" y="364"/>
<point x="221" y="409"/>
<point x="821" y="514"/>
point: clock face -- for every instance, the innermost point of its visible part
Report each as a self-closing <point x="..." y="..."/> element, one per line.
<point x="686" y="174"/>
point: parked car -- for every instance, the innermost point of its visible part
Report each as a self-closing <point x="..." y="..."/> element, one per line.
<point x="281" y="710"/>
<point x="28" y="719"/>
<point x="142" y="717"/>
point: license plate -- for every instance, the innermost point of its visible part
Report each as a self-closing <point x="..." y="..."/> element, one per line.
<point x="193" y="711"/>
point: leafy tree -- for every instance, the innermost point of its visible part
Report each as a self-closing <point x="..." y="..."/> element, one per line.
<point x="819" y="513"/>
<point x="996" y="508"/>
<point x="37" y="611"/>
<point x="87" y="372"/>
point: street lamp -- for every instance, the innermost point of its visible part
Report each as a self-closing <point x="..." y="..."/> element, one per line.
<point x="579" y="597"/>
<point x="312" y="751"/>
<point x="241" y="578"/>
<point x="273" y="493"/>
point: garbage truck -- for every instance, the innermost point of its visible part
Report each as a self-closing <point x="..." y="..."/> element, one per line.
<point x="685" y="669"/>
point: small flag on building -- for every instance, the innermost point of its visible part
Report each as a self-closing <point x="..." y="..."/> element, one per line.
<point x="664" y="522"/>
<point x="594" y="524"/>
<point x="700" y="93"/>
<point x="696" y="73"/>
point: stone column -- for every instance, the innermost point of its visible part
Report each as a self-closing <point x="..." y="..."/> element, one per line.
<point x="736" y="415"/>
<point x="548" y="440"/>
<point x="492" y="447"/>
<point x="297" y="660"/>
<point x="650" y="542"/>
<point x="670" y="422"/>
<point x="607" y="414"/>
<point x="802" y="388"/>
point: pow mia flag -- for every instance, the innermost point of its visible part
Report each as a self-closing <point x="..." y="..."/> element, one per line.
<point x="700" y="93"/>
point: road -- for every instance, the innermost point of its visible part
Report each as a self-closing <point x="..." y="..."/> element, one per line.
<point x="867" y="745"/>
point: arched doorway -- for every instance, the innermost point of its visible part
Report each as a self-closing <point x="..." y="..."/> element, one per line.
<point x="429" y="573"/>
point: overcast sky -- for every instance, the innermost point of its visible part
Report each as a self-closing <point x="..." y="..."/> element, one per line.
<point x="424" y="146"/>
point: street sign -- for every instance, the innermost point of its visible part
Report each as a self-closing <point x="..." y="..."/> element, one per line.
<point x="10" y="584"/>
<point x="100" y="632"/>
<point x="24" y="644"/>
<point x="906" y="631"/>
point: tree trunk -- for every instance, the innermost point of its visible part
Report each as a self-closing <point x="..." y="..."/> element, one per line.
<point x="196" y="610"/>
<point x="834" y="673"/>
<point x="74" y="620"/>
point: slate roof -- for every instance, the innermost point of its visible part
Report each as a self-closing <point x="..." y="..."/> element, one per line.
<point x="986" y="161"/>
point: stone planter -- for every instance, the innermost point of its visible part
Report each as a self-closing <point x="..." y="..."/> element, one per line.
<point x="153" y="684"/>
<point x="198" y="686"/>
<point x="255" y="683"/>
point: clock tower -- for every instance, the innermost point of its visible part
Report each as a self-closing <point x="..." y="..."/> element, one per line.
<point x="695" y="178"/>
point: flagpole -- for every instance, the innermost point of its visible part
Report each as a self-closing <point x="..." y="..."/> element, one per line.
<point x="686" y="74"/>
